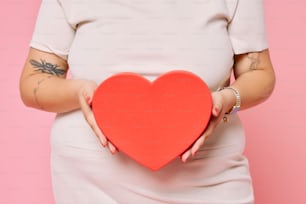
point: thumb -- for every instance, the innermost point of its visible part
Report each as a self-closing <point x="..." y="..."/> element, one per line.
<point x="89" y="100"/>
<point x="216" y="110"/>
<point x="217" y="106"/>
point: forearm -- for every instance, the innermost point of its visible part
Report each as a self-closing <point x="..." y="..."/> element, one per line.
<point x="254" y="79"/>
<point x="50" y="93"/>
<point x="254" y="87"/>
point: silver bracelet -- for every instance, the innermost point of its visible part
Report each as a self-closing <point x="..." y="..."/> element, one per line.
<point x="236" y="107"/>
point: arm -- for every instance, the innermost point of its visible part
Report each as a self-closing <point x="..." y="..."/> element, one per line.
<point x="43" y="83"/>
<point x="255" y="81"/>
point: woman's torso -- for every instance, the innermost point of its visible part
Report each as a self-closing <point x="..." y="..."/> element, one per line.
<point x="149" y="38"/>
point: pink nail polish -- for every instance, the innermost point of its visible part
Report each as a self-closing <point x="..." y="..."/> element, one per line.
<point x="216" y="110"/>
<point x="185" y="160"/>
<point x="87" y="99"/>
<point x="103" y="144"/>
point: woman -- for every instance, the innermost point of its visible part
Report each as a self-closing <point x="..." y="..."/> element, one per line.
<point x="96" y="39"/>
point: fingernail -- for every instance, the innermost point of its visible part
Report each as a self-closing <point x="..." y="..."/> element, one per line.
<point x="88" y="99"/>
<point x="112" y="149"/>
<point x="184" y="159"/>
<point x="216" y="110"/>
<point x="104" y="143"/>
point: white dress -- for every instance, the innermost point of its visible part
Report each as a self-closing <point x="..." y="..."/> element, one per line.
<point x="100" y="38"/>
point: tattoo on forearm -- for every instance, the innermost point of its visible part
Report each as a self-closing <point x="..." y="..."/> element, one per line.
<point x="36" y="89"/>
<point x="46" y="67"/>
<point x="255" y="60"/>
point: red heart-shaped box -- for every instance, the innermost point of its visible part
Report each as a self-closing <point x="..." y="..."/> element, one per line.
<point x="152" y="122"/>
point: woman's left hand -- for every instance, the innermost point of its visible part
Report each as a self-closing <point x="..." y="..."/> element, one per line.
<point x="217" y="114"/>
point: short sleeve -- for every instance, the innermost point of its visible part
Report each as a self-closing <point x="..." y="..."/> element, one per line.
<point x="52" y="32"/>
<point x="247" y="28"/>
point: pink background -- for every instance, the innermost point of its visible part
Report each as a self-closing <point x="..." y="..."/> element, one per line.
<point x="276" y="142"/>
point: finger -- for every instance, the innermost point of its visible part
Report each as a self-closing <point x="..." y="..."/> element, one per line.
<point x="196" y="146"/>
<point x="217" y="104"/>
<point x="216" y="109"/>
<point x="84" y="104"/>
<point x="88" y="100"/>
<point x="201" y="140"/>
<point x="208" y="131"/>
<point x="186" y="155"/>
<point x="97" y="130"/>
<point x="112" y="148"/>
<point x="89" y="117"/>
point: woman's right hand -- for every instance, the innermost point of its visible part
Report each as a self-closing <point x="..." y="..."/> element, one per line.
<point x="85" y="95"/>
<point x="43" y="85"/>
